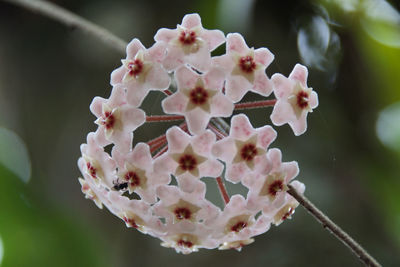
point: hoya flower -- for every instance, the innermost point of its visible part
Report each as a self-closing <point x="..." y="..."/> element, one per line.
<point x="189" y="158"/>
<point x="199" y="98"/>
<point x="269" y="187"/>
<point x="95" y="163"/>
<point x="244" y="149"/>
<point x="294" y="99"/>
<point x="176" y="206"/>
<point x="287" y="207"/>
<point x="159" y="187"/>
<point x="189" y="43"/>
<point x="141" y="71"/>
<point x="136" y="169"/>
<point x="116" y="119"/>
<point x="89" y="193"/>
<point x="245" y="68"/>
<point x="187" y="237"/>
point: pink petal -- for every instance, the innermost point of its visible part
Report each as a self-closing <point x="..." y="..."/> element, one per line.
<point x="211" y="168"/>
<point x="96" y="107"/>
<point x="165" y="35"/>
<point x="132" y="118"/>
<point x="187" y="182"/>
<point x="191" y="21"/>
<point x="299" y="73"/>
<point x="197" y="120"/>
<point x="214" y="38"/>
<point x="263" y="56"/>
<point x="282" y="86"/>
<point x="224" y="62"/>
<point x="203" y="143"/>
<point x="291" y="169"/>
<point x="300" y="187"/>
<point x="265" y="136"/>
<point x="236" y="87"/>
<point x="299" y="126"/>
<point x="275" y="157"/>
<point x="224" y="149"/>
<point x="185" y="78"/>
<point x="221" y="106"/>
<point x="157" y="52"/>
<point x="282" y="113"/>
<point x="177" y="139"/>
<point x="241" y="127"/>
<point x="174" y="104"/>
<point x="236" y="172"/>
<point x="141" y="156"/>
<point x="262" y="84"/>
<point x="158" y="78"/>
<point x="117" y="97"/>
<point x="136" y="93"/>
<point x="214" y="79"/>
<point x="123" y="140"/>
<point x="313" y="100"/>
<point x="235" y="42"/>
<point x="133" y="47"/>
<point x="174" y="58"/>
<point x="201" y="60"/>
<point x="164" y="164"/>
<point x="117" y="75"/>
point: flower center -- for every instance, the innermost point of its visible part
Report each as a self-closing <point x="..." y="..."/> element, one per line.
<point x="187" y="162"/>
<point x="275" y="187"/>
<point x="182" y="213"/>
<point x="131" y="222"/>
<point x="91" y="169"/>
<point x="108" y="120"/>
<point x="247" y="64"/>
<point x="248" y="152"/>
<point x="302" y="99"/>
<point x="288" y="213"/>
<point x="239" y="226"/>
<point x="184" y="243"/>
<point x="198" y="96"/>
<point x="135" y="67"/>
<point x="187" y="37"/>
<point x="132" y="178"/>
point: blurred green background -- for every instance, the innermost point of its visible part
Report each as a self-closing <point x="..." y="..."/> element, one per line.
<point x="349" y="157"/>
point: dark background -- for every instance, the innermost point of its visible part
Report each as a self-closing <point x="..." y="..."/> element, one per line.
<point x="349" y="157"/>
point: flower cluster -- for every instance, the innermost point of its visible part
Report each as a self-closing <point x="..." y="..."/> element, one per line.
<point x="158" y="187"/>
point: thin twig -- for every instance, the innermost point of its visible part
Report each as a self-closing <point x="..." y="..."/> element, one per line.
<point x="72" y="20"/>
<point x="362" y="254"/>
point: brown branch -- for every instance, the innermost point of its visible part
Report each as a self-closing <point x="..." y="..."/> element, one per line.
<point x="361" y="253"/>
<point x="72" y="20"/>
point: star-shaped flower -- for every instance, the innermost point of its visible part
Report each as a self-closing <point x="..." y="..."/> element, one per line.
<point x="141" y="71"/>
<point x="269" y="187"/>
<point x="199" y="98"/>
<point x="294" y="99"/>
<point x="188" y="158"/>
<point x="176" y="206"/>
<point x="95" y="164"/>
<point x="116" y="119"/>
<point x="136" y="169"/>
<point x="189" y="43"/>
<point x="287" y="206"/>
<point x="245" y="68"/>
<point x="89" y="193"/>
<point x="244" y="150"/>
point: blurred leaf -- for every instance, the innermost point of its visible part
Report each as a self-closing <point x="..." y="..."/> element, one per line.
<point x="34" y="235"/>
<point x="388" y="126"/>
<point x="318" y="46"/>
<point x="14" y="155"/>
